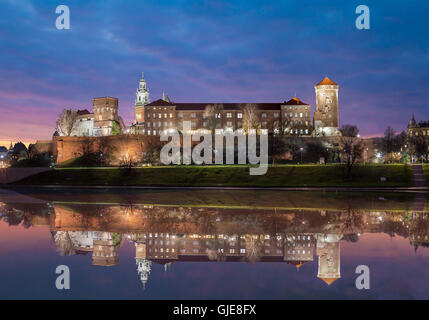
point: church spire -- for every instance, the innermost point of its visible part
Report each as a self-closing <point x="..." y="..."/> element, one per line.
<point x="412" y="122"/>
<point x="142" y="94"/>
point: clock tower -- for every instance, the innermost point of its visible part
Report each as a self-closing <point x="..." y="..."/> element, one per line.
<point x="142" y="99"/>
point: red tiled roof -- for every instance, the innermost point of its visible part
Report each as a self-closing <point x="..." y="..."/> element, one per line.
<point x="326" y="81"/>
<point x="296" y="102"/>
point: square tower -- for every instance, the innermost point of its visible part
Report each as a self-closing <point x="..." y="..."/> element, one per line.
<point x="325" y="119"/>
<point x="105" y="115"/>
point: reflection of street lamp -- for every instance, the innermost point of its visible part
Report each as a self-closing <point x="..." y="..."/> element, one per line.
<point x="301" y="153"/>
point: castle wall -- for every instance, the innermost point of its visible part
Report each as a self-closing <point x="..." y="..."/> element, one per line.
<point x="118" y="147"/>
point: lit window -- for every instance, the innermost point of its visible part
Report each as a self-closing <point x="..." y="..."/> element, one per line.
<point x="239" y="115"/>
<point x="276" y="115"/>
<point x="264" y="115"/>
<point x="229" y="115"/>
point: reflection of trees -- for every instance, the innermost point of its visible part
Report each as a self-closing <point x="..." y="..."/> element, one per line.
<point x="352" y="223"/>
<point x="16" y="214"/>
<point x="63" y="242"/>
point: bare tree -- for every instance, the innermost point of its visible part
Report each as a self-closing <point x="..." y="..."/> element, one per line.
<point x="351" y="146"/>
<point x="250" y="117"/>
<point x="212" y="116"/>
<point x="66" y="122"/>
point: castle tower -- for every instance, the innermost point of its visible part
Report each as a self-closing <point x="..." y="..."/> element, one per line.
<point x="105" y="115"/>
<point x="142" y="99"/>
<point x="328" y="250"/>
<point x="325" y="119"/>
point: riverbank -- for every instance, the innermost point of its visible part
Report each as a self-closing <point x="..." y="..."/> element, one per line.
<point x="371" y="176"/>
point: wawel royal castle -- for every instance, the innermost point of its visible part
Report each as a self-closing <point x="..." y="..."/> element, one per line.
<point x="292" y="118"/>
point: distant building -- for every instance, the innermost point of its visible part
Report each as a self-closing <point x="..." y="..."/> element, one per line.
<point x="418" y="129"/>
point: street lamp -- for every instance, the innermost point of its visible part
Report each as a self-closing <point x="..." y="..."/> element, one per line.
<point x="301" y="153"/>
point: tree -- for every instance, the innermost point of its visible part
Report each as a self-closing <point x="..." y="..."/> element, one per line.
<point x="116" y="128"/>
<point x="278" y="147"/>
<point x="250" y="117"/>
<point x="351" y="146"/>
<point x="315" y="150"/>
<point x="418" y="146"/>
<point x="388" y="143"/>
<point x="212" y="119"/>
<point x="66" y="122"/>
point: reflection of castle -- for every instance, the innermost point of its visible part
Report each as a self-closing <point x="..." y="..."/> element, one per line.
<point x="165" y="235"/>
<point x="295" y="249"/>
<point x="103" y="245"/>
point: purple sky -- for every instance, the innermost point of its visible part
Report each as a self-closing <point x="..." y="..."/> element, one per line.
<point x="217" y="51"/>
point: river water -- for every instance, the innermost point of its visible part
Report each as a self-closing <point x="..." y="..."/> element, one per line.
<point x="188" y="244"/>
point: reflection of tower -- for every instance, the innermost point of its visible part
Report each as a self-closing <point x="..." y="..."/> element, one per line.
<point x="143" y="265"/>
<point x="325" y="119"/>
<point x="105" y="253"/>
<point x="328" y="250"/>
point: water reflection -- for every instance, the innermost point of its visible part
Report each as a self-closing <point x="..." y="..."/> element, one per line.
<point x="166" y="233"/>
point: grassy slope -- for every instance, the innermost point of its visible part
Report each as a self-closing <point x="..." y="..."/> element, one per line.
<point x="277" y="176"/>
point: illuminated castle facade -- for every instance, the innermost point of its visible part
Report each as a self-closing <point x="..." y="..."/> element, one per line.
<point x="292" y="117"/>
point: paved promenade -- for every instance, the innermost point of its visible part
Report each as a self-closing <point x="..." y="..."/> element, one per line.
<point x="9" y="175"/>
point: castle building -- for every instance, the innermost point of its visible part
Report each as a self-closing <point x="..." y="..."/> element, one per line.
<point x="84" y="125"/>
<point x="326" y="119"/>
<point x="104" y="121"/>
<point x="106" y="118"/>
<point x="415" y="129"/>
<point x="292" y="117"/>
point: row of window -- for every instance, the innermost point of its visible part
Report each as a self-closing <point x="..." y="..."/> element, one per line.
<point x="251" y="131"/>
<point x="228" y="115"/>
